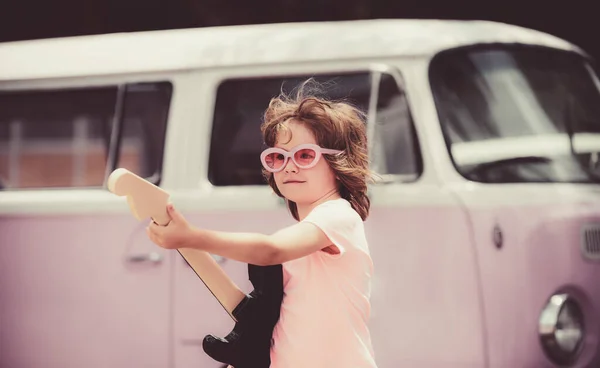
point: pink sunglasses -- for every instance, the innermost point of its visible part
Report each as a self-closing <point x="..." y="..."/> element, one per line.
<point x="304" y="156"/>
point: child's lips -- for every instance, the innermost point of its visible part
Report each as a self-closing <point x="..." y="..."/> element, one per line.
<point x="293" y="182"/>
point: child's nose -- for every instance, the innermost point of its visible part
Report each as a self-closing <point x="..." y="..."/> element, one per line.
<point x="290" y="166"/>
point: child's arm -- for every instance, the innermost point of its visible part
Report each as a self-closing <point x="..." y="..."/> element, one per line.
<point x="292" y="242"/>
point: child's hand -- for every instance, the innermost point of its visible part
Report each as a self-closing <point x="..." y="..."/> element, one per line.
<point x="176" y="234"/>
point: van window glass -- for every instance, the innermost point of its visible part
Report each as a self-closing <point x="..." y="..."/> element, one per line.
<point x="518" y="114"/>
<point x="395" y="148"/>
<point x="61" y="138"/>
<point x="236" y="141"/>
<point x="145" y="116"/>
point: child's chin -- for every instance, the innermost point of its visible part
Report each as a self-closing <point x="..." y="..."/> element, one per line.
<point x="296" y="197"/>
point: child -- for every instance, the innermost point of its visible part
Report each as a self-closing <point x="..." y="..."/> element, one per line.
<point x="317" y="161"/>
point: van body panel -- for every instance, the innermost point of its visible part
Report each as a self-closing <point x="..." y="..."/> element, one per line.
<point x="75" y="292"/>
<point x="535" y="232"/>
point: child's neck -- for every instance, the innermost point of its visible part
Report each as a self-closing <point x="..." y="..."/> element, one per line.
<point x="304" y="209"/>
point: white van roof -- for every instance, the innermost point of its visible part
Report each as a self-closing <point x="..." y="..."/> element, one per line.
<point x="168" y="50"/>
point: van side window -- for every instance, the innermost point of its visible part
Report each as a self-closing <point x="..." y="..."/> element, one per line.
<point x="395" y="150"/>
<point x="236" y="141"/>
<point x="64" y="138"/>
<point x="145" y="116"/>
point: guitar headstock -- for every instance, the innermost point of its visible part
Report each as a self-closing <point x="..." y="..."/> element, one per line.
<point x="145" y="199"/>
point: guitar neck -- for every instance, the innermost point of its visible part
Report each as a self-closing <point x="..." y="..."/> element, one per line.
<point x="216" y="280"/>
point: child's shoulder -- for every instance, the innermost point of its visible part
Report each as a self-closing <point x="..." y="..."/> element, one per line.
<point x="340" y="209"/>
<point x="338" y="204"/>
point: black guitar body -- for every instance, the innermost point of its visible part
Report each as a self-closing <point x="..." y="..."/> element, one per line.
<point x="248" y="344"/>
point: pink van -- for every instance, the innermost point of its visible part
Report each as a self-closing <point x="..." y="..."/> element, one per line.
<point x="484" y="230"/>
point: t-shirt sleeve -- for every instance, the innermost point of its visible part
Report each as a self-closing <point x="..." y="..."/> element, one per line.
<point x="337" y="221"/>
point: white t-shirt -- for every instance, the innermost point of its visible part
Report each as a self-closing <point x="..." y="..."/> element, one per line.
<point x="326" y="307"/>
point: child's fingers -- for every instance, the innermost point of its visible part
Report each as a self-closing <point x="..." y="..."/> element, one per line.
<point x="153" y="237"/>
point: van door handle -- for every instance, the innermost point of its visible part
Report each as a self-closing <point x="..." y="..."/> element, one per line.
<point x="152" y="257"/>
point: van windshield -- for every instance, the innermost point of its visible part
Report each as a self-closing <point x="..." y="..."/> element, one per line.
<point x="519" y="114"/>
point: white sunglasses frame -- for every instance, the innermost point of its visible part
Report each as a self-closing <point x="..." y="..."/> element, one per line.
<point x="319" y="151"/>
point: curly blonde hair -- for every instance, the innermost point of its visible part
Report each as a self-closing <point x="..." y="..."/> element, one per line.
<point x="336" y="125"/>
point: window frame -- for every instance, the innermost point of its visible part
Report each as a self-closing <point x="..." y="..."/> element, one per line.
<point x="309" y="68"/>
<point x="115" y="143"/>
